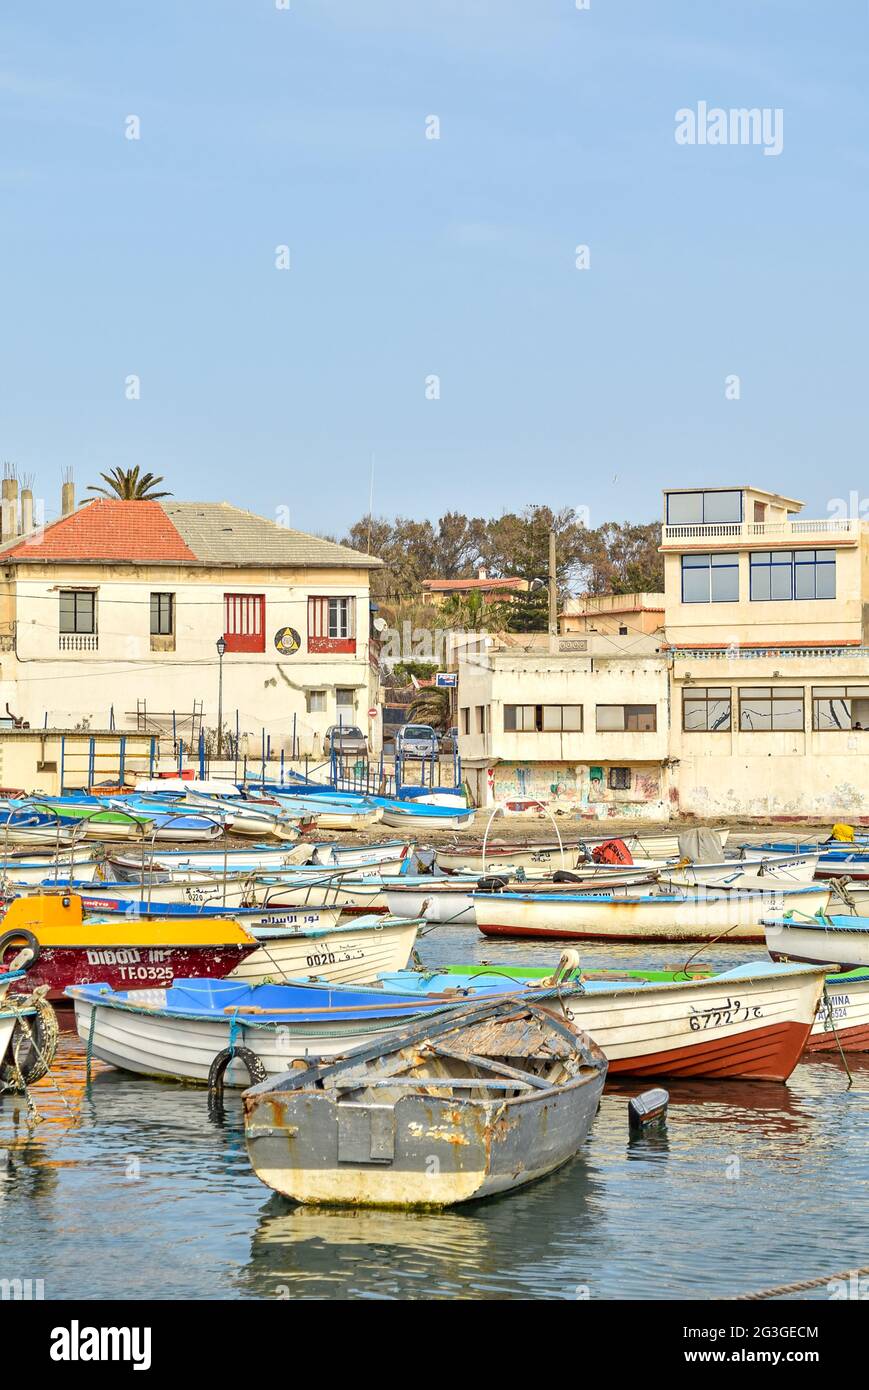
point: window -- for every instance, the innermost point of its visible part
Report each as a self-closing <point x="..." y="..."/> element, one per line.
<point x="345" y="700"/>
<point x="316" y="702"/>
<point x="770" y="708"/>
<point x="466" y="719"/>
<point x="543" y="719"/>
<point x="840" y="707"/>
<point x="710" y="578"/>
<point x="619" y="779"/>
<point x="631" y="719"/>
<point x="162" y="615"/>
<point x="481" y="719"/>
<point x="790" y="574"/>
<point x="706" y="709"/>
<point x="331" y="624"/>
<point x="78" y="610"/>
<point x="244" y="622"/>
<point x="703" y="508"/>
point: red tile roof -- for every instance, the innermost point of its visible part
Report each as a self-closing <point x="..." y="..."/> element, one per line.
<point x="459" y="585"/>
<point x="107" y="529"/>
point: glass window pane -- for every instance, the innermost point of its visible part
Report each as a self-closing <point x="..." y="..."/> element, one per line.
<point x="825" y="581"/>
<point x="610" y="717"/>
<point x="695" y="585"/>
<point x="551" y="718"/>
<point x="787" y="714"/>
<point x="831" y="714"/>
<point x="509" y="719"/>
<point x="684" y="508"/>
<point x="722" y="506"/>
<point x="804" y="581"/>
<point x="754" y="713"/>
<point x="856" y="692"/>
<point x="571" y="718"/>
<point x="694" y="715"/>
<point x="719" y="714"/>
<point x="725" y="584"/>
<point x="718" y="692"/>
<point x="781" y="582"/>
<point x="760" y="580"/>
<point x="791" y="692"/>
<point x="696" y="561"/>
<point x="640" y="719"/>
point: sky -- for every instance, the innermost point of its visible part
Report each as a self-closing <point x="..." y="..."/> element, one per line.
<point x="433" y="329"/>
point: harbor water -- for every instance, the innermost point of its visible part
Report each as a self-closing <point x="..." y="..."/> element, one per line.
<point x="126" y="1188"/>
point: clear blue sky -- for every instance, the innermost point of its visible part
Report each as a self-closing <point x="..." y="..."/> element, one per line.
<point x="306" y="127"/>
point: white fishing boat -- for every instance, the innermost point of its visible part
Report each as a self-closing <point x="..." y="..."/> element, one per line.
<point x="643" y="851"/>
<point x="450" y="900"/>
<point x="704" y="914"/>
<point x="839" y="942"/>
<point x="842" y="1021"/>
<point x="268" y="858"/>
<point x="22" y="873"/>
<point x="752" y="1021"/>
<point x="738" y="873"/>
<point x="350" y="953"/>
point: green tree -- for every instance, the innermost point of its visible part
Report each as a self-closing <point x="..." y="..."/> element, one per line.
<point x="130" y="485"/>
<point x="431" y="706"/>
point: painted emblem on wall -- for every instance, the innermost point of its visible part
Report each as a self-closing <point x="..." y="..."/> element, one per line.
<point x="287" y="640"/>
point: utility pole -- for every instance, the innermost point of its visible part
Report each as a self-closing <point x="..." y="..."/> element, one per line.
<point x="553" y="593"/>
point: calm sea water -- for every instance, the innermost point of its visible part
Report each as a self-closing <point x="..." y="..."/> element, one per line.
<point x="128" y="1190"/>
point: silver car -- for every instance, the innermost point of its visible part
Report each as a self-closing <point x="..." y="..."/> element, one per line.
<point x="416" y="741"/>
<point x="345" y="738"/>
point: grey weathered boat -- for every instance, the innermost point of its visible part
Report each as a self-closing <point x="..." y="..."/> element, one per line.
<point x="477" y="1100"/>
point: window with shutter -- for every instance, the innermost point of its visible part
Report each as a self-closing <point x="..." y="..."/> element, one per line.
<point x="244" y="622"/>
<point x="331" y="624"/>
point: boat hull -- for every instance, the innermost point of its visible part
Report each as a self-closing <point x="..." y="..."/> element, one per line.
<point x="735" y="917"/>
<point x="352" y="954"/>
<point x="444" y="1151"/>
<point x="818" y="943"/>
<point x="842" y="1020"/>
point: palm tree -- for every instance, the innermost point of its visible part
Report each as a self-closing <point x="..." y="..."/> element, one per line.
<point x="129" y="486"/>
<point x="431" y="706"/>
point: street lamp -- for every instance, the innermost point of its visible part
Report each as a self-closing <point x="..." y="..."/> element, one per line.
<point x="221" y="648"/>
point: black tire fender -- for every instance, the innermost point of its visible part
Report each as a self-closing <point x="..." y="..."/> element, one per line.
<point x="25" y="940"/>
<point x="216" y="1072"/>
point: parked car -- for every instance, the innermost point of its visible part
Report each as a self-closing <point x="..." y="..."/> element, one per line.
<point x="450" y="740"/>
<point x="416" y="741"/>
<point x="345" y="739"/>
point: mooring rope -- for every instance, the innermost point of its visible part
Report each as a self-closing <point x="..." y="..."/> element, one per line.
<point x="798" y="1286"/>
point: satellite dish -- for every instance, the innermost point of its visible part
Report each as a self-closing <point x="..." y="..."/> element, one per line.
<point x="379" y="624"/>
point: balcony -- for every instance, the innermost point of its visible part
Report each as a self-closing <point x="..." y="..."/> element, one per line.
<point x="78" y="642"/>
<point x="795" y="531"/>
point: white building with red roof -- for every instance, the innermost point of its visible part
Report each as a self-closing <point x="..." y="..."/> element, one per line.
<point x="112" y="614"/>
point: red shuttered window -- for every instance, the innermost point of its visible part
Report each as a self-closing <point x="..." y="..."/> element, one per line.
<point x="331" y="624"/>
<point x="244" y="626"/>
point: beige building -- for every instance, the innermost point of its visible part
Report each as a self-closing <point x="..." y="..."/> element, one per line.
<point x="581" y="727"/>
<point x="110" y="618"/>
<point x="616" y="615"/>
<point x="766" y="621"/>
<point x="759" y="683"/>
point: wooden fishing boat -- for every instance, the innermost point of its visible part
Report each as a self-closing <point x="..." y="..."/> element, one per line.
<point x="841" y="1020"/>
<point x="417" y="817"/>
<point x="750" y="1022"/>
<point x="839" y="942"/>
<point x="703" y="914"/>
<point x="265" y="858"/>
<point x="92" y="821"/>
<point x="125" y="951"/>
<point x="743" y="873"/>
<point x="450" y="900"/>
<point x="16" y="873"/>
<point x="468" y="855"/>
<point x="480" y="1101"/>
<point x="349" y="953"/>
<point x="177" y="1031"/>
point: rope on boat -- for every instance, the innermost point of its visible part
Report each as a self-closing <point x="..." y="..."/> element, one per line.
<point x="44" y="1049"/>
<point x="829" y="1019"/>
<point x="89" y="1050"/>
<point x="798" y="1286"/>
